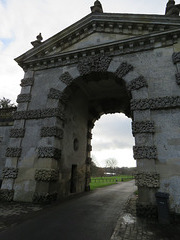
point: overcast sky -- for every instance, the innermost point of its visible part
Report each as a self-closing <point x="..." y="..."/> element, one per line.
<point x="22" y="20"/>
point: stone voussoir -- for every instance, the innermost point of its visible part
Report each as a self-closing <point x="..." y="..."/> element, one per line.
<point x="137" y="83"/>
<point x="97" y="63"/>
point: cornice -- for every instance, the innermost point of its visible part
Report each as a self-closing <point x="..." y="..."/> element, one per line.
<point x="121" y="47"/>
<point x="135" y="24"/>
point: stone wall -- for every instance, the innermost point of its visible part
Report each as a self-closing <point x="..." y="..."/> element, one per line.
<point x="64" y="93"/>
<point x="6" y="123"/>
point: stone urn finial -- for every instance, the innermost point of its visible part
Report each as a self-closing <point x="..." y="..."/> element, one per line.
<point x="172" y="9"/>
<point x="38" y="41"/>
<point x="97" y="8"/>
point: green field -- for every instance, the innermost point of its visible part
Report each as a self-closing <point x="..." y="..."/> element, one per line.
<point x="99" y="182"/>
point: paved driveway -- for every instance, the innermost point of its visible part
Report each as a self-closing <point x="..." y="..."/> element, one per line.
<point x="91" y="216"/>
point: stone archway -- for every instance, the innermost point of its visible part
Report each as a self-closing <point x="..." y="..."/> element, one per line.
<point x="98" y="65"/>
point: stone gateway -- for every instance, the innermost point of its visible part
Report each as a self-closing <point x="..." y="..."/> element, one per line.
<point x="104" y="63"/>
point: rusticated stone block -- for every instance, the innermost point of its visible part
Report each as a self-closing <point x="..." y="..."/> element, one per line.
<point x="44" y="197"/>
<point x="6" y="195"/>
<point x="143" y="127"/>
<point x="137" y="83"/>
<point x="23" y="98"/>
<point x="88" y="175"/>
<point x="66" y="78"/>
<point x="88" y="161"/>
<point x="27" y="82"/>
<point x="52" y="132"/>
<point x="10" y="173"/>
<point x="13" y="152"/>
<point x="89" y="135"/>
<point x="49" y="152"/>
<point x="31" y="114"/>
<point x="145" y="152"/>
<point x="98" y="63"/>
<point x="17" y="133"/>
<point x="146" y="211"/>
<point x="155" y="103"/>
<point x="145" y="179"/>
<point x="123" y="69"/>
<point x="52" y="112"/>
<point x="176" y="57"/>
<point x="37" y="114"/>
<point x="56" y="94"/>
<point x="178" y="78"/>
<point x="46" y="175"/>
<point x="89" y="148"/>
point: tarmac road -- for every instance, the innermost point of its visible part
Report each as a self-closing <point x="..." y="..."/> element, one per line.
<point x="92" y="216"/>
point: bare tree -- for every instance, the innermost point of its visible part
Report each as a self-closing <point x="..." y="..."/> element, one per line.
<point x="6" y="103"/>
<point x="111" y="163"/>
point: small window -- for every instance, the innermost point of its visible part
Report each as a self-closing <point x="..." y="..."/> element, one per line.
<point x="76" y="144"/>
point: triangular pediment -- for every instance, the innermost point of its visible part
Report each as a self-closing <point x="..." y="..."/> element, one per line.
<point x="98" y="30"/>
<point x="94" y="39"/>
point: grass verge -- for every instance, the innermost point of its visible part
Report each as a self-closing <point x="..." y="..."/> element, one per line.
<point x="94" y="185"/>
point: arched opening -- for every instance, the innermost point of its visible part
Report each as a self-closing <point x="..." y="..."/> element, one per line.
<point x="90" y="97"/>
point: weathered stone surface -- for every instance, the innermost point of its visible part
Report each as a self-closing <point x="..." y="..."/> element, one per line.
<point x="66" y="78"/>
<point x="97" y="63"/>
<point x="46" y="175"/>
<point x="155" y="103"/>
<point x="143" y="127"/>
<point x="49" y="152"/>
<point x="123" y="69"/>
<point x="176" y="57"/>
<point x="178" y="78"/>
<point x="6" y="195"/>
<point x="44" y="197"/>
<point x="13" y="152"/>
<point x="145" y="179"/>
<point x="145" y="152"/>
<point x="23" y="98"/>
<point x="27" y="82"/>
<point x="17" y="133"/>
<point x="36" y="114"/>
<point x="52" y="132"/>
<point x="10" y="173"/>
<point x="137" y="83"/>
